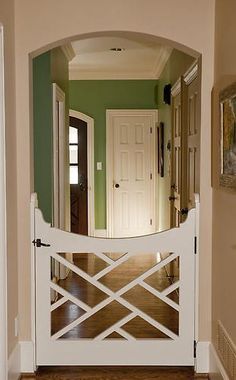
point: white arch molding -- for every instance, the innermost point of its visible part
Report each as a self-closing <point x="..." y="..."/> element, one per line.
<point x="90" y="167"/>
<point x="3" y="238"/>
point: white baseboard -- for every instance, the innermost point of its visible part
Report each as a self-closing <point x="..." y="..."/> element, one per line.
<point x="100" y="233"/>
<point x="14" y="367"/>
<point x="202" y="357"/>
<point x="216" y="370"/>
<point x="27" y="357"/>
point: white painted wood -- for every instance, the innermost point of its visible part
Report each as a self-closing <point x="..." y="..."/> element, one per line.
<point x="3" y="223"/>
<point x="27" y="356"/>
<point x="33" y="206"/>
<point x="178" y="350"/>
<point x="90" y="167"/>
<point x="131" y="159"/>
<point x="58" y="157"/>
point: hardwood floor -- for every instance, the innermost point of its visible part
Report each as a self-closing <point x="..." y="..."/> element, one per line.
<point x="114" y="311"/>
<point x="115" y="373"/>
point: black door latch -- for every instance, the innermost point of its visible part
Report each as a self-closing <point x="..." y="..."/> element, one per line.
<point x="38" y="243"/>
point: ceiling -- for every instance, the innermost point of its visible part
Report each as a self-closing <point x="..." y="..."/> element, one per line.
<point x="139" y="58"/>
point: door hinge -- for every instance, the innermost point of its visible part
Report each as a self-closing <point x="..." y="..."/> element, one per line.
<point x="150" y="175"/>
<point x="195" y="245"/>
<point x="38" y="243"/>
<point x="194" y="349"/>
<point x="151" y="222"/>
<point x="150" y="129"/>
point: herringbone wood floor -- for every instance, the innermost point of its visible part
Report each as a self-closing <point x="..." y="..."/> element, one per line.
<point x="115" y="373"/>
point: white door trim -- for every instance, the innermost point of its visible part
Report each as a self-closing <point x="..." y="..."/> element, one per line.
<point x="58" y="154"/>
<point x="110" y="162"/>
<point x="3" y="224"/>
<point x="90" y="167"/>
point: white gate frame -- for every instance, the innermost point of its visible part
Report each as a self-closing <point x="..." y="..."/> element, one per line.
<point x="62" y="240"/>
<point x="3" y="222"/>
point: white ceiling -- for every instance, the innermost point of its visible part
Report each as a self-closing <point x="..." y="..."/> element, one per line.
<point x="141" y="59"/>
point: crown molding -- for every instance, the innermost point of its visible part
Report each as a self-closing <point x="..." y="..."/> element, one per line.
<point x="176" y="88"/>
<point x="161" y="61"/>
<point x="191" y="74"/>
<point x="77" y="74"/>
<point x="68" y="52"/>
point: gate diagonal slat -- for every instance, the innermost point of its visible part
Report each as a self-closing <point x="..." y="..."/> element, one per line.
<point x="58" y="303"/>
<point x="116" y="326"/>
<point x="113" y="296"/>
<point x="125" y="334"/>
<point x="159" y="295"/>
<point x="118" y="262"/>
<point x="70" y="297"/>
<point x="171" y="288"/>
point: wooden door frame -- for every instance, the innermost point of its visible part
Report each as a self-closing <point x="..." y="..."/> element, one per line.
<point x="3" y="221"/>
<point x="90" y="166"/>
<point x="110" y="113"/>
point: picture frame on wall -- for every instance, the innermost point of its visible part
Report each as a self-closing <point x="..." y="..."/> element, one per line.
<point x="228" y="137"/>
<point x="160" y="144"/>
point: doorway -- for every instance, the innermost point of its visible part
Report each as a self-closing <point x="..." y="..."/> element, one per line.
<point x="131" y="178"/>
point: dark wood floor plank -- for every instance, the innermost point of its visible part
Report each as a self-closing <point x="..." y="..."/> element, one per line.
<point x="115" y="373"/>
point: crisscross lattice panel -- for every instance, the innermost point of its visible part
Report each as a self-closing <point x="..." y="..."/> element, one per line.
<point x="116" y="295"/>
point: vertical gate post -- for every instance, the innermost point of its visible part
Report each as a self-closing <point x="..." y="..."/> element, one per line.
<point x="196" y="327"/>
<point x="33" y="206"/>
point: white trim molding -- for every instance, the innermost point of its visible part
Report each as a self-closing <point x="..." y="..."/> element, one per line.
<point x="90" y="166"/>
<point x="99" y="233"/>
<point x="68" y="51"/>
<point x="14" y="365"/>
<point x="216" y="369"/>
<point x="3" y="223"/>
<point x="202" y="357"/>
<point x="27" y="357"/>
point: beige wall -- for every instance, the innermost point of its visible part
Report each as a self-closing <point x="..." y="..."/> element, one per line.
<point x="224" y="202"/>
<point x="40" y="23"/>
<point x="7" y="19"/>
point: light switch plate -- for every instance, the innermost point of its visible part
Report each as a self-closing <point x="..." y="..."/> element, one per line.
<point x="99" y="165"/>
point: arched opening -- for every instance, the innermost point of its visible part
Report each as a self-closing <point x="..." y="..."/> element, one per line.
<point x="146" y="134"/>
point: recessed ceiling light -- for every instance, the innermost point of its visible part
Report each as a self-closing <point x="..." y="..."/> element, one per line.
<point x="117" y="49"/>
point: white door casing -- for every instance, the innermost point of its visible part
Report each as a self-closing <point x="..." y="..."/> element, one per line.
<point x="58" y="157"/>
<point x="131" y="159"/>
<point x="178" y="349"/>
<point x="3" y="224"/>
<point x="90" y="167"/>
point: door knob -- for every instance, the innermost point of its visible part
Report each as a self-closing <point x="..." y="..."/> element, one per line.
<point x="117" y="185"/>
<point x="172" y="198"/>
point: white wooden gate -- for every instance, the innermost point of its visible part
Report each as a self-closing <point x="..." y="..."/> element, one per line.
<point x="115" y="345"/>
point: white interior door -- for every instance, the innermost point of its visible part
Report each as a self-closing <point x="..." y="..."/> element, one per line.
<point x="131" y="172"/>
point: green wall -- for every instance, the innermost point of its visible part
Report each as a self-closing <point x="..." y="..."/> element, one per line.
<point x="49" y="67"/>
<point x="176" y="66"/>
<point x="42" y="116"/>
<point x="94" y="97"/>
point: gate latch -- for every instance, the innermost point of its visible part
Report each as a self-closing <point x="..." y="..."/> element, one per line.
<point x="38" y="243"/>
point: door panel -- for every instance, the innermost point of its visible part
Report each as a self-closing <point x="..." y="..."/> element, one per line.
<point x="133" y="177"/>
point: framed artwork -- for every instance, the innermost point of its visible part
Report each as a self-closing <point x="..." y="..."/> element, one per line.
<point x="160" y="144"/>
<point x="228" y="137"/>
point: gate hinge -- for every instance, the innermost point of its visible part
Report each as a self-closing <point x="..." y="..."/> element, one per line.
<point x="38" y="243"/>
<point x="195" y="245"/>
<point x="194" y="349"/>
<point x="151" y="222"/>
<point x="151" y="130"/>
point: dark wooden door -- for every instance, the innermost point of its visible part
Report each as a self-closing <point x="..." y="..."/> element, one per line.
<point x="78" y="176"/>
